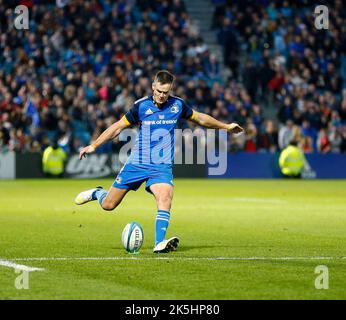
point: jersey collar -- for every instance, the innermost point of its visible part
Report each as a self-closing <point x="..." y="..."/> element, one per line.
<point x="156" y="106"/>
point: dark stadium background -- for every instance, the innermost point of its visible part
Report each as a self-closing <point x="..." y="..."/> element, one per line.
<point x="262" y="64"/>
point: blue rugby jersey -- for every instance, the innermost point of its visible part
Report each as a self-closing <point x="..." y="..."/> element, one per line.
<point x="155" y="140"/>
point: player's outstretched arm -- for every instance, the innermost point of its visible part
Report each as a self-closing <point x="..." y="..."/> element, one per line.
<point x="110" y="133"/>
<point x="207" y="121"/>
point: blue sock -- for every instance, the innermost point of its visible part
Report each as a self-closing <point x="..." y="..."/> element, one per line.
<point x="100" y="195"/>
<point x="161" y="225"/>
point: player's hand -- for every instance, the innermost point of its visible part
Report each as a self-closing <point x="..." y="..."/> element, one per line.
<point x="234" y="128"/>
<point x="85" y="151"/>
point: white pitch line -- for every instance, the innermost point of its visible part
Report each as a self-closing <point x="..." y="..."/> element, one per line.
<point x="9" y="264"/>
<point x="176" y="258"/>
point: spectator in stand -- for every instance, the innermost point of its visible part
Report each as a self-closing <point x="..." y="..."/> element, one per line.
<point x="342" y="109"/>
<point x="305" y="144"/>
<point x="286" y="111"/>
<point x="309" y="131"/>
<point x="228" y="40"/>
<point x="343" y="140"/>
<point x="285" y="134"/>
<point x="71" y="74"/>
<point x="64" y="75"/>
<point x="268" y="140"/>
<point x="334" y="137"/>
<point x="298" y="67"/>
<point x="250" y="79"/>
<point x="250" y="138"/>
<point x="323" y="143"/>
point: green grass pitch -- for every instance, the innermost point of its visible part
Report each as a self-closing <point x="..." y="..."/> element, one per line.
<point x="271" y="236"/>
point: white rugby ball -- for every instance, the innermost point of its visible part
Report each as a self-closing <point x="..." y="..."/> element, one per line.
<point x="132" y="237"/>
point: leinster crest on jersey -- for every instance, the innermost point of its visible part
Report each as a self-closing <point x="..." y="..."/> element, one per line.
<point x="175" y="108"/>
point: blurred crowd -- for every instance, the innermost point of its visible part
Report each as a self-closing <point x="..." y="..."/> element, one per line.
<point x="286" y="61"/>
<point x="82" y="64"/>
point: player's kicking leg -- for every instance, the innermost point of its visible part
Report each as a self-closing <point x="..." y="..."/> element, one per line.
<point x="107" y="200"/>
<point x="163" y="194"/>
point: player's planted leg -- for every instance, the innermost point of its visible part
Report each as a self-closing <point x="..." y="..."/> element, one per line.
<point x="163" y="194"/>
<point x="166" y="246"/>
<point x="161" y="225"/>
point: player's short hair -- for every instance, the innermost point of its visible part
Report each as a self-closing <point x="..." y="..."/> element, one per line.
<point x="164" y="76"/>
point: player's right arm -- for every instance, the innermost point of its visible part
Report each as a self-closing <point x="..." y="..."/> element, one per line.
<point x="110" y="133"/>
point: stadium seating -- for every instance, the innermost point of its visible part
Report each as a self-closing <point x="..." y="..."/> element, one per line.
<point x="71" y="75"/>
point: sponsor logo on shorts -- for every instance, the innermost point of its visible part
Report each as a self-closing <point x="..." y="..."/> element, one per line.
<point x="118" y="180"/>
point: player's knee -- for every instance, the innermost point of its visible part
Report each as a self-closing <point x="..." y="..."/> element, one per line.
<point x="165" y="200"/>
<point x="109" y="206"/>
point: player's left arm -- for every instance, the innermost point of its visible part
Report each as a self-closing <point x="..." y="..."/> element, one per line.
<point x="208" y="121"/>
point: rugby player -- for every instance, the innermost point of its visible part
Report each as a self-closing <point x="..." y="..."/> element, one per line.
<point x="157" y="117"/>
